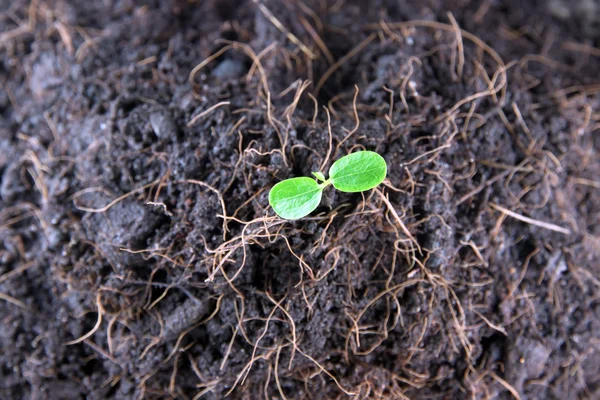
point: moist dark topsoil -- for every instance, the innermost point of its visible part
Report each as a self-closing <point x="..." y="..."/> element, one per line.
<point x="139" y="257"/>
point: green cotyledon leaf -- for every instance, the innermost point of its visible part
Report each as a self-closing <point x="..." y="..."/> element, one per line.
<point x="295" y="198"/>
<point x="358" y="171"/>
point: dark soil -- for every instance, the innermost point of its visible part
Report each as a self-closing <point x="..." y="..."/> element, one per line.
<point x="139" y="257"/>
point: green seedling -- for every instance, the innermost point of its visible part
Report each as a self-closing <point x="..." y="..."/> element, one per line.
<point x="297" y="197"/>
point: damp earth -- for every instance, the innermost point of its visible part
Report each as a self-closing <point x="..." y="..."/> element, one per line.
<point x="139" y="257"/>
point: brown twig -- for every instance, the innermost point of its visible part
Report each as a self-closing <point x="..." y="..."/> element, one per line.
<point x="541" y="224"/>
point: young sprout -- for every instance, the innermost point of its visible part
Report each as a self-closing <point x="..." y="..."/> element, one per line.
<point x="297" y="197"/>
